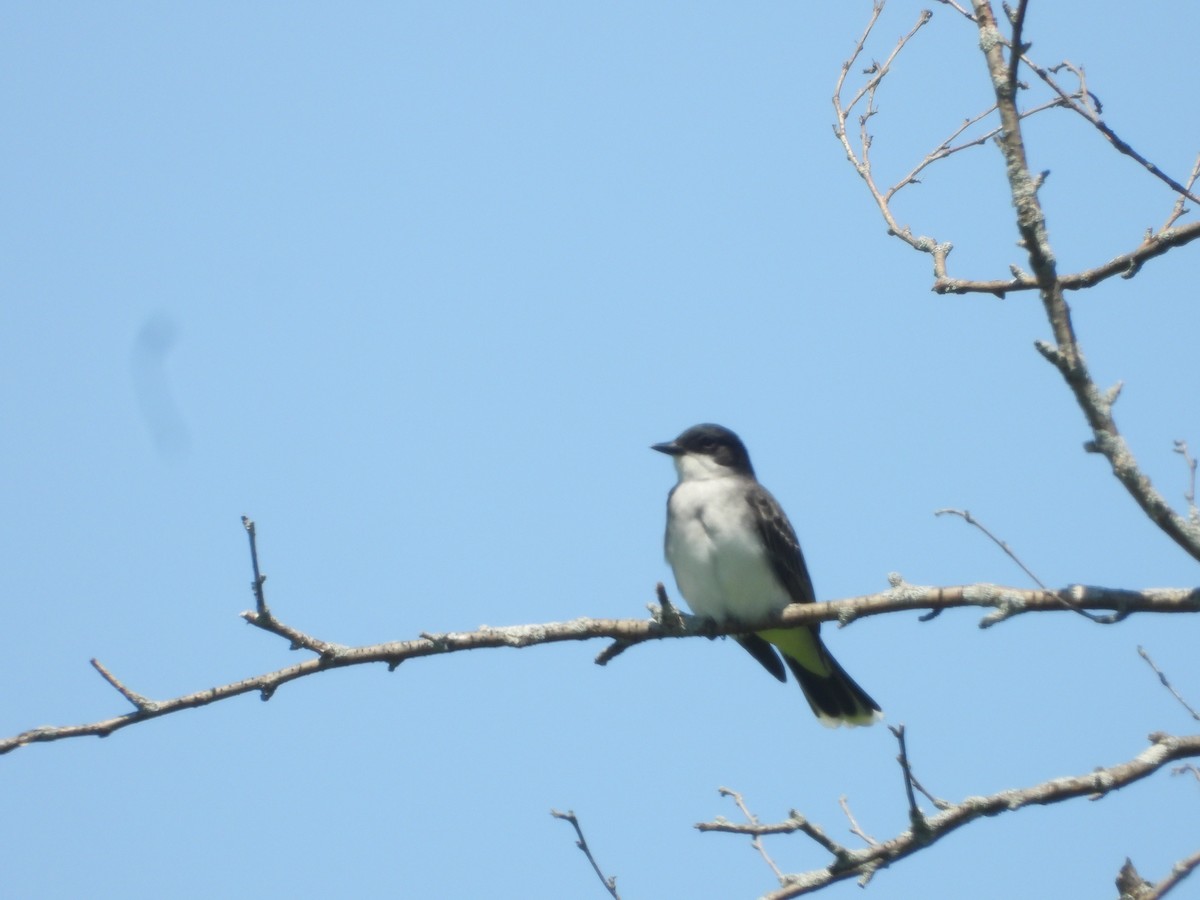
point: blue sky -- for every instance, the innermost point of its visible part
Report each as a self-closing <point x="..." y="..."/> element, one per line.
<point x="415" y="287"/>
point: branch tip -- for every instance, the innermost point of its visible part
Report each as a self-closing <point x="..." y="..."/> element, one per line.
<point x="609" y="882"/>
<point x="140" y="703"/>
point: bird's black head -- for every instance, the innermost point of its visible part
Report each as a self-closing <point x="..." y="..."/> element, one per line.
<point x="715" y="445"/>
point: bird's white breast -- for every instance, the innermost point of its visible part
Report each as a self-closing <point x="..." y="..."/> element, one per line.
<point x="714" y="547"/>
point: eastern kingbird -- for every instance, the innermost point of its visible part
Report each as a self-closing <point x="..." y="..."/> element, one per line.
<point x="735" y="556"/>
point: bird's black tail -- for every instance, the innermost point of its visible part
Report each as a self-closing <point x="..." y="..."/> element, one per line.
<point x="835" y="698"/>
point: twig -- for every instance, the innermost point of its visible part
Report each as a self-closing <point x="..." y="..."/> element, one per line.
<point x="842" y="111"/>
<point x="297" y="639"/>
<point x="938" y="802"/>
<point x="261" y="616"/>
<point x="1003" y="545"/>
<point x="855" y="829"/>
<point x="1017" y="48"/>
<point x="1179" y="208"/>
<point x="1167" y="684"/>
<point x="879" y="70"/>
<point x="1093" y="116"/>
<point x="947" y="148"/>
<point x="795" y="822"/>
<point x="951" y="3"/>
<point x="915" y="817"/>
<point x="260" y="599"/>
<point x="1163" y="750"/>
<point x="1189" y="495"/>
<point x="965" y="514"/>
<point x="1126" y="266"/>
<point x="610" y="882"/>
<point x="756" y="840"/>
<point x="142" y="704"/>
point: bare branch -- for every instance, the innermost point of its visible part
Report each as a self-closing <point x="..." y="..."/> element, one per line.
<point x="916" y="818"/>
<point x="953" y="5"/>
<point x="861" y="863"/>
<point x="855" y="828"/>
<point x="756" y="840"/>
<point x="1066" y="355"/>
<point x="1091" y="112"/>
<point x="1189" y="495"/>
<point x="610" y="882"/>
<point x="1179" y="209"/>
<point x="863" y="166"/>
<point x="1183" y="770"/>
<point x="1005" y="603"/>
<point x="949" y="148"/>
<point x="795" y="822"/>
<point x="142" y="704"/>
<point x="1017" y="18"/>
<point x="1126" y="266"/>
<point x="971" y="520"/>
<point x="259" y="579"/>
<point x="1167" y="684"/>
<point x="1179" y="871"/>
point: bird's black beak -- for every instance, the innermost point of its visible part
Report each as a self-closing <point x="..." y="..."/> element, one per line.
<point x="670" y="448"/>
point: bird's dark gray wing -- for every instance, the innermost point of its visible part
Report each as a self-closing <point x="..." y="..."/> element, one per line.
<point x="783" y="549"/>
<point x="764" y="653"/>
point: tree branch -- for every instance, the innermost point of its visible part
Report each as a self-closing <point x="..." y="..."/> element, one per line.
<point x="1126" y="265"/>
<point x="756" y="841"/>
<point x="609" y="881"/>
<point x="1066" y="356"/>
<point x="864" y="863"/>
<point x="1005" y="602"/>
<point x="1179" y="871"/>
<point x="1153" y="245"/>
<point x="1090" y="112"/>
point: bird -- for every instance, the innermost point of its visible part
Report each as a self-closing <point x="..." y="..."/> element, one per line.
<point x="735" y="557"/>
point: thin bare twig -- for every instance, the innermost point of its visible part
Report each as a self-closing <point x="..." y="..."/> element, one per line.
<point x="948" y="148"/>
<point x="1167" y="684"/>
<point x="855" y="828"/>
<point x="915" y="817"/>
<point x="1180" y="208"/>
<point x="142" y="704"/>
<point x="609" y="882"/>
<point x="1189" y="495"/>
<point x="1090" y="112"/>
<point x="795" y="822"/>
<point x="862" y="165"/>
<point x="756" y="840"/>
<point x="1017" y="18"/>
<point x="260" y="599"/>
<point x="970" y="16"/>
<point x="261" y="616"/>
<point x="1003" y="545"/>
